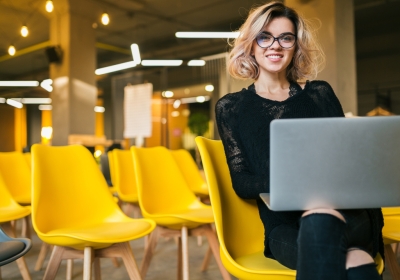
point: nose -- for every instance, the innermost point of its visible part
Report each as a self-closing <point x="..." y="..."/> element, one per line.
<point x="275" y="44"/>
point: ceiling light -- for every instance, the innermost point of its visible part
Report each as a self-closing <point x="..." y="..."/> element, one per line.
<point x="47" y="132"/>
<point x="209" y="88"/>
<point x="105" y="19"/>
<point x="49" y="6"/>
<point x="115" y="67"/>
<point x="195" y="62"/>
<point x="175" y="114"/>
<point x="161" y="62"/>
<point x="24" y="31"/>
<point x="136" y="53"/>
<point x="99" y="109"/>
<point x="19" y="83"/>
<point x="195" y="99"/>
<point x="14" y="103"/>
<point x="200" y="99"/>
<point x="11" y="50"/>
<point x="45" y="107"/>
<point x="2" y="100"/>
<point x="207" y="34"/>
<point x="36" y="100"/>
<point x="167" y="94"/>
<point x="47" y="85"/>
<point x="176" y="104"/>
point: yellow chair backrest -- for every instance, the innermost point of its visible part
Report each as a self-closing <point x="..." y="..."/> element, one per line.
<point x="16" y="174"/>
<point x="69" y="189"/>
<point x="124" y="173"/>
<point x="28" y="159"/>
<point x="161" y="185"/>
<point x="6" y="200"/>
<point x="190" y="171"/>
<point x="239" y="228"/>
<point x="111" y="162"/>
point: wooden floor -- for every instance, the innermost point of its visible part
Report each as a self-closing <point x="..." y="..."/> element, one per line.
<point x="163" y="265"/>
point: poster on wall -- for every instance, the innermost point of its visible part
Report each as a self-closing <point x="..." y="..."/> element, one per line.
<point x="137" y="110"/>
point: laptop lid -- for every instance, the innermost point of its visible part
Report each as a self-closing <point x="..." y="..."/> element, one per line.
<point x="339" y="163"/>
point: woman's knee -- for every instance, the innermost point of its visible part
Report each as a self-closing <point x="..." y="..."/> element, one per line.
<point x="332" y="212"/>
<point x="357" y="257"/>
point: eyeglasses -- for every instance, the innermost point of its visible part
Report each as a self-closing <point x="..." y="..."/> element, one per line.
<point x="286" y="41"/>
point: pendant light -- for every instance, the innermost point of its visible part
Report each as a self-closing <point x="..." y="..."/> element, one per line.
<point x="11" y="50"/>
<point x="24" y="31"/>
<point x="105" y="19"/>
<point x="49" y="6"/>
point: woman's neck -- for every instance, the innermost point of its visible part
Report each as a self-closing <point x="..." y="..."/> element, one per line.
<point x="272" y="87"/>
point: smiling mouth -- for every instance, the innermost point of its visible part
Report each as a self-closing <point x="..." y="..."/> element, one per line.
<point x="275" y="56"/>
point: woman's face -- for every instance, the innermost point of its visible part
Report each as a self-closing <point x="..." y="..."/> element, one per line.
<point x="275" y="59"/>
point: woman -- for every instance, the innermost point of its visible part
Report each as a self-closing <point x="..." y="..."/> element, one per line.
<point x="276" y="49"/>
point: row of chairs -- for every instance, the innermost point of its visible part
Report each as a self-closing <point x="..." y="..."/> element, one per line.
<point x="73" y="209"/>
<point x="239" y="229"/>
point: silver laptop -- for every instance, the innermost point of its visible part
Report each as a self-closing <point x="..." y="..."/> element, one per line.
<point x="338" y="163"/>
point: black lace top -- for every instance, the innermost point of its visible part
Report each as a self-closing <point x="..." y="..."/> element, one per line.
<point x="243" y="120"/>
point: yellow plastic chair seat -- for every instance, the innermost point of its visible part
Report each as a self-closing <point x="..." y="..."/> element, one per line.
<point x="131" y="198"/>
<point x="98" y="235"/>
<point x="12" y="213"/>
<point x="390" y="211"/>
<point x="390" y="231"/>
<point x="23" y="199"/>
<point x="258" y="266"/>
<point x="191" y="218"/>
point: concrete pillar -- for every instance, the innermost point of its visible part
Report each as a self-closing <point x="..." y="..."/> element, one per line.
<point x="74" y="87"/>
<point x="338" y="41"/>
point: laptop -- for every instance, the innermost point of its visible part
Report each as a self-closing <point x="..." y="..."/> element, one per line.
<point x="339" y="163"/>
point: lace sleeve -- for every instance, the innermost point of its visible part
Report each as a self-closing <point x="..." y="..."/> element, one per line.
<point x="246" y="184"/>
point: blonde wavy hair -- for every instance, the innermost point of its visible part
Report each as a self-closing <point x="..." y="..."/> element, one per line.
<point x="308" y="58"/>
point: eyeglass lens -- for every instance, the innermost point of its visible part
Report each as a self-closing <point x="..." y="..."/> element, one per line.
<point x="265" y="40"/>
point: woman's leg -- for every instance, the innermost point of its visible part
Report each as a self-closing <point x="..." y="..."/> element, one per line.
<point x="361" y="266"/>
<point x="359" y="262"/>
<point x="321" y="247"/>
<point x="282" y="242"/>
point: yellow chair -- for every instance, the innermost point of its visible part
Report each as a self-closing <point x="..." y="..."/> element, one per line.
<point x="73" y="209"/>
<point x="239" y="228"/>
<point x="11" y="211"/>
<point x="111" y="165"/>
<point x="17" y="176"/>
<point x="28" y="159"/>
<point x="165" y="197"/>
<point x="123" y="178"/>
<point x="191" y="172"/>
<point x="391" y="235"/>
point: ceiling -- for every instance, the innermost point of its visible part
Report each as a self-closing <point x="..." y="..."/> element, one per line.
<point x="152" y="25"/>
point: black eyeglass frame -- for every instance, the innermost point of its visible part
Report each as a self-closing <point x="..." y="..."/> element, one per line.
<point x="276" y="39"/>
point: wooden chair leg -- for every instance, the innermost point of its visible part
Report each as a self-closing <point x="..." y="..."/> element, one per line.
<point x="214" y="245"/>
<point x="129" y="261"/>
<point x="97" y="269"/>
<point x="23" y="268"/>
<point x="54" y="263"/>
<point x="185" y="253"/>
<point x="115" y="262"/>
<point x="26" y="232"/>
<point x="391" y="262"/>
<point x="87" y="263"/>
<point x="179" y="259"/>
<point x="42" y="256"/>
<point x="206" y="260"/>
<point x="148" y="253"/>
<point x="70" y="268"/>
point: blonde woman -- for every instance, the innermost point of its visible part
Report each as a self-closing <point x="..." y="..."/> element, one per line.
<point x="277" y="50"/>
